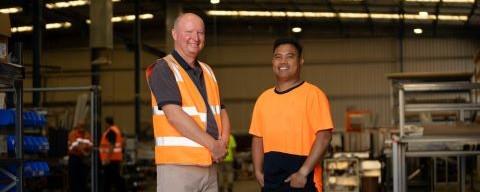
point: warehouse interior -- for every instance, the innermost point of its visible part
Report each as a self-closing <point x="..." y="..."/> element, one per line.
<point x="402" y="78"/>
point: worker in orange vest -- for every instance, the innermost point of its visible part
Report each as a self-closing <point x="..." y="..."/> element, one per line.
<point x="79" y="148"/>
<point x="111" y="155"/>
<point x="190" y="123"/>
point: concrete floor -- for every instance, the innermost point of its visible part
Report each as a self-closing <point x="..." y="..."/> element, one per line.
<point x="238" y="186"/>
<point x="246" y="186"/>
<point x="253" y="186"/>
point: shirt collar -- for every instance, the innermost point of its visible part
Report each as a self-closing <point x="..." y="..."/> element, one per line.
<point x="182" y="61"/>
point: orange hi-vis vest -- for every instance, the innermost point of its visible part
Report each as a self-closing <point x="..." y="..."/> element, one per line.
<point x="78" y="142"/>
<point x="117" y="153"/>
<point x="170" y="146"/>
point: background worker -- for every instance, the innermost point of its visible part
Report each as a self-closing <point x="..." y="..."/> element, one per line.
<point x="79" y="148"/>
<point x="111" y="155"/>
<point x="226" y="171"/>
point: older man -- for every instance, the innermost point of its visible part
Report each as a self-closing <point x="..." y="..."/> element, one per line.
<point x="191" y="126"/>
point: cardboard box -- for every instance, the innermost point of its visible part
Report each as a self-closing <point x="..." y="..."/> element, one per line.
<point x="5" y="33"/>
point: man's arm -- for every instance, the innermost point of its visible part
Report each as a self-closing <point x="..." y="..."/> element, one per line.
<point x="225" y="126"/>
<point x="188" y="128"/>
<point x="299" y="178"/>
<point x="257" y="157"/>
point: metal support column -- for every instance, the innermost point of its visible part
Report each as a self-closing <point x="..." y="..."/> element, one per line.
<point x="462" y="173"/>
<point x="38" y="27"/>
<point x="101" y="45"/>
<point x="401" y="111"/>
<point x="434" y="183"/>
<point x="18" y="86"/>
<point x="403" y="167"/>
<point x="395" y="166"/>
<point x="399" y="166"/>
<point x="95" y="130"/>
<point x="138" y="42"/>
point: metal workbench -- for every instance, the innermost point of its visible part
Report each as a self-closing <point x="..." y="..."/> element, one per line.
<point x="400" y="143"/>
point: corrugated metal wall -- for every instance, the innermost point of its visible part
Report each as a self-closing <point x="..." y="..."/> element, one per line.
<point x="439" y="55"/>
<point x="350" y="71"/>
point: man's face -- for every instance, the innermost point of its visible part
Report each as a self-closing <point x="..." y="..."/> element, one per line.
<point x="189" y="36"/>
<point x="286" y="63"/>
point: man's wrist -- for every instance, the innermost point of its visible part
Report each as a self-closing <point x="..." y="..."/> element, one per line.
<point x="210" y="144"/>
<point x="303" y="171"/>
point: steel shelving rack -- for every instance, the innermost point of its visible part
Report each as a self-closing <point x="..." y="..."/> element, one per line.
<point x="400" y="143"/>
<point x="12" y="75"/>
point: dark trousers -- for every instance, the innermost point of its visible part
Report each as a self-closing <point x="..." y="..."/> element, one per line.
<point x="279" y="166"/>
<point x="77" y="174"/>
<point x="112" y="177"/>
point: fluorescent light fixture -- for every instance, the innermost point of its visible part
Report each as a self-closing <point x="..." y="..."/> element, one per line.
<point x="444" y="1"/>
<point x="146" y="16"/>
<point x="452" y="17"/>
<point x="459" y="1"/>
<point x="11" y="10"/>
<point x="419" y="17"/>
<point x="58" y="25"/>
<point x="417" y="31"/>
<point x="384" y="16"/>
<point x="345" y="15"/>
<point x="74" y="3"/>
<point x="297" y="29"/>
<point x="269" y="13"/>
<point x="127" y="18"/>
<point x="48" y="26"/>
<point x="65" y="4"/>
<point x="353" y="15"/>
<point x="21" y="29"/>
<point x="423" y="14"/>
<point x="214" y="1"/>
<point x="319" y="14"/>
<point x="294" y="14"/>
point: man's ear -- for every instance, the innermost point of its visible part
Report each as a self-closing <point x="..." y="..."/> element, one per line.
<point x="174" y="34"/>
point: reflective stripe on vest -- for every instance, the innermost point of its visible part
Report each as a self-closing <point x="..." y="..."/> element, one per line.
<point x="209" y="71"/>
<point x="176" y="73"/>
<point x="191" y="111"/>
<point x="79" y="141"/>
<point x="115" y="149"/>
<point x="215" y="109"/>
<point x="175" y="141"/>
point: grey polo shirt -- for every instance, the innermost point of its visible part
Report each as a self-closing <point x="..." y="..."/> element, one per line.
<point x="165" y="89"/>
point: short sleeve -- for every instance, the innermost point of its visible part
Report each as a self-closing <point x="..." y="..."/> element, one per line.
<point x="319" y="116"/>
<point x="163" y="85"/>
<point x="256" y="123"/>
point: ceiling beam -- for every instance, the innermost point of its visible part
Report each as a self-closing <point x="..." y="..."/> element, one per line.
<point x="472" y="11"/>
<point x="435" y="22"/>
<point x="339" y="21"/>
<point x="370" y="21"/>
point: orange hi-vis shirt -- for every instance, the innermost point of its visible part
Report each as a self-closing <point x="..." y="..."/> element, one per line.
<point x="288" y="121"/>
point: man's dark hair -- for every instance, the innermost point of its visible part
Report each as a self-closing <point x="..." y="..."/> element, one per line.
<point x="109" y="120"/>
<point x="288" y="40"/>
